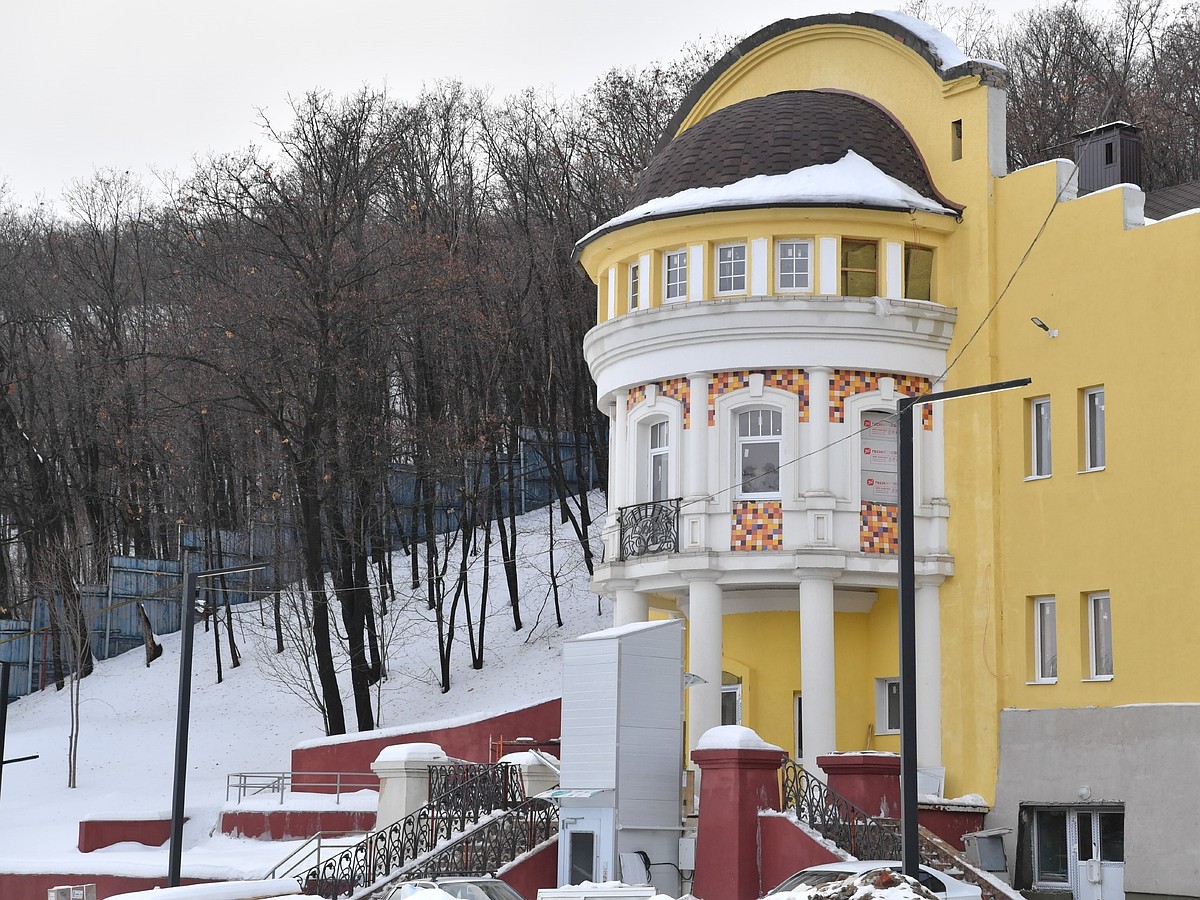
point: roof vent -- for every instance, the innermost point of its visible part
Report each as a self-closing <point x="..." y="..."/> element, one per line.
<point x="1108" y="155"/>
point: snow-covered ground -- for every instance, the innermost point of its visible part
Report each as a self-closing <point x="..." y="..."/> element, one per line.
<point x="251" y="720"/>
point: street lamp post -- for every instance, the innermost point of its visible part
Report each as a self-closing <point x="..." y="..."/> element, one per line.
<point x="910" y="846"/>
<point x="184" y="710"/>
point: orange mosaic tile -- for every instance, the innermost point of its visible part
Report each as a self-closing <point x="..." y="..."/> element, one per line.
<point x="757" y="525"/>
<point x="794" y="381"/>
<point x="679" y="389"/>
<point x="848" y="382"/>
<point x="879" y="531"/>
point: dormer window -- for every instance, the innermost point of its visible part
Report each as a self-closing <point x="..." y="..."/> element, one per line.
<point x="675" y="268"/>
<point x="860" y="269"/>
<point x="731" y="269"/>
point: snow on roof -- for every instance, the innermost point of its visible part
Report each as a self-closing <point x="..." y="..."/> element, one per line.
<point x="621" y="630"/>
<point x="851" y="181"/>
<point x="733" y="737"/>
<point x="942" y="45"/>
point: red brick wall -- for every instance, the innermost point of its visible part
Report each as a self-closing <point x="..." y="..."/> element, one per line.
<point x="471" y="741"/>
<point x="97" y="833"/>
<point x="285" y="824"/>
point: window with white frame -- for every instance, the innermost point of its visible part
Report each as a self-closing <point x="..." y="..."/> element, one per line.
<point x="731" y="699"/>
<point x="1045" y="640"/>
<point x="675" y="266"/>
<point x="1093" y="428"/>
<point x="1100" y="649"/>
<point x="659" y="461"/>
<point x="731" y="269"/>
<point x="887" y="705"/>
<point x="1039" y="438"/>
<point x="759" y="438"/>
<point x="793" y="265"/>
<point x="635" y="287"/>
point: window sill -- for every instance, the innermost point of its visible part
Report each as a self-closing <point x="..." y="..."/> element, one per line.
<point x="1042" y="681"/>
<point x="1038" y="477"/>
<point x="886" y="732"/>
<point x="1088" y="471"/>
<point x="1098" y="678"/>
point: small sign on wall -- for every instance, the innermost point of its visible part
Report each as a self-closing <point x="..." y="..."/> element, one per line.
<point x="878" y="482"/>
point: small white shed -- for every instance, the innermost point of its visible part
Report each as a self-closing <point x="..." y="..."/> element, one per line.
<point x="622" y="754"/>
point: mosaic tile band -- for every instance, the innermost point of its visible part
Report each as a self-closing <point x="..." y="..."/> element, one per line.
<point x="757" y="525"/>
<point x="879" y="531"/>
<point x="848" y="382"/>
<point x="678" y="389"/>
<point x="794" y="381"/>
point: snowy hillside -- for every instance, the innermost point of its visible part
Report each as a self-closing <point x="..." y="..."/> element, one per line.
<point x="250" y="721"/>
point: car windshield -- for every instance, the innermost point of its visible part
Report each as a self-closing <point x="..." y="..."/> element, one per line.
<point x="480" y="890"/>
<point x="809" y="879"/>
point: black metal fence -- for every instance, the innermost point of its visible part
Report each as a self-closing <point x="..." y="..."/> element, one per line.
<point x="836" y="818"/>
<point x="648" y="528"/>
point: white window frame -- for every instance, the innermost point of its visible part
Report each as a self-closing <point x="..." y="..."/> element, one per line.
<point x="1040" y="449"/>
<point x="883" y="719"/>
<point x="654" y="453"/>
<point x="675" y="275"/>
<point x="1098" y="635"/>
<point x="808" y="269"/>
<point x="1093" y="429"/>
<point x="731" y="272"/>
<point x="635" y="294"/>
<point x="1040" y="663"/>
<point x="740" y="441"/>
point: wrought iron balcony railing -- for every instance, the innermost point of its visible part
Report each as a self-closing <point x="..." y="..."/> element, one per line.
<point x="649" y="528"/>
<point x="836" y="818"/>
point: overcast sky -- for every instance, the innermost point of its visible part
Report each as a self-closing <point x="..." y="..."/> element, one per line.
<point x="149" y="84"/>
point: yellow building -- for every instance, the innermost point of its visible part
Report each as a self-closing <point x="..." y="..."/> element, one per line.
<point x="829" y="225"/>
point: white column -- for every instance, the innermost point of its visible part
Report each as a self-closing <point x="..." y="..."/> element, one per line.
<point x="817" y="687"/>
<point x="695" y="460"/>
<point x="610" y="410"/>
<point x="629" y="606"/>
<point x="818" y="431"/>
<point x="929" y="672"/>
<point x="704" y="654"/>
<point x="403" y="771"/>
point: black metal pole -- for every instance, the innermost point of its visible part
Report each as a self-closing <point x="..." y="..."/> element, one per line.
<point x="910" y="848"/>
<point x="909" y="837"/>
<point x="183" y="716"/>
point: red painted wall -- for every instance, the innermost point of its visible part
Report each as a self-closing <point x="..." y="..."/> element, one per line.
<point x="786" y="849"/>
<point x="871" y="781"/>
<point x="34" y="887"/>
<point x="97" y="833"/>
<point x="286" y="824"/>
<point x="734" y="786"/>
<point x="538" y="870"/>
<point x="471" y="741"/>
<point x="951" y="824"/>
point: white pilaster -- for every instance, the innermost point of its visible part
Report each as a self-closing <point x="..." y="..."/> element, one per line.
<point x="704" y="654"/>
<point x="695" y="462"/>
<point x="817" y="687"/>
<point x="621" y="486"/>
<point x="403" y="771"/>
<point x="818" y="431"/>
<point x="929" y="672"/>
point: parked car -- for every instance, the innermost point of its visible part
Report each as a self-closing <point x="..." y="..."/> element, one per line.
<point x="459" y="888"/>
<point x="941" y="885"/>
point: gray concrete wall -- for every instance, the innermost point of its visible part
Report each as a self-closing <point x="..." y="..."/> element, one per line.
<point x="1146" y="757"/>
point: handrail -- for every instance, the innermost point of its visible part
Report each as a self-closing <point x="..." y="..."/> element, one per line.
<point x="298" y="856"/>
<point x="247" y="784"/>
<point x="484" y="849"/>
<point x="465" y="794"/>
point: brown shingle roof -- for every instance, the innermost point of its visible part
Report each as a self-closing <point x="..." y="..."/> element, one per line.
<point x="1172" y="200"/>
<point x="780" y="133"/>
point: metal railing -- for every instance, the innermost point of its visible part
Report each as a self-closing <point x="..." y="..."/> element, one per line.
<point x="313" y="852"/>
<point x="649" y="528"/>
<point x="461" y="796"/>
<point x="252" y="784"/>
<point x="483" y="850"/>
<point x="836" y="818"/>
<point x="872" y="837"/>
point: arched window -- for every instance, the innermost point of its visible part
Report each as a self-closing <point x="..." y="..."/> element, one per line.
<point x="658" y="468"/>
<point x="759" y="437"/>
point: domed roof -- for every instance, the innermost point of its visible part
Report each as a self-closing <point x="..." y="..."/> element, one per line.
<point x="778" y="134"/>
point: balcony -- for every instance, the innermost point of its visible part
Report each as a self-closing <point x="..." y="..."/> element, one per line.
<point x="649" y="528"/>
